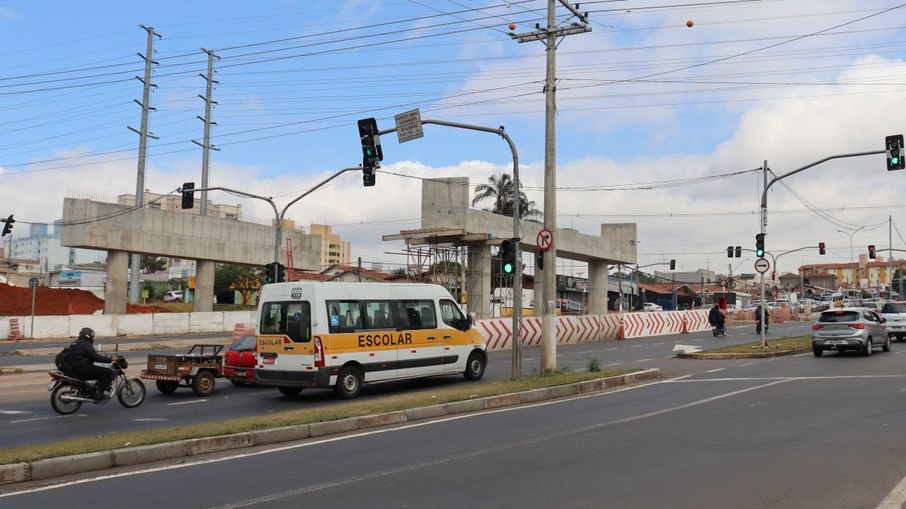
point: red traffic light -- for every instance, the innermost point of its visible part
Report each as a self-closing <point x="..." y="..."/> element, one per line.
<point x="871" y="251"/>
<point x="821" y="248"/>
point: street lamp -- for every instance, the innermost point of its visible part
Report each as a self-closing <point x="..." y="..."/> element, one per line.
<point x="852" y="269"/>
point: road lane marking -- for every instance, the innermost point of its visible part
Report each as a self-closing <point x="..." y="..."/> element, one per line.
<point x="715" y="370"/>
<point x="747" y="364"/>
<point x="15" y="412"/>
<point x="613" y="364"/>
<point x="644" y="360"/>
<point x="191" y="402"/>
<point x="659" y="344"/>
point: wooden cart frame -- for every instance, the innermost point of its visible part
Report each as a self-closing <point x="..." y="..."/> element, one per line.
<point x="196" y="369"/>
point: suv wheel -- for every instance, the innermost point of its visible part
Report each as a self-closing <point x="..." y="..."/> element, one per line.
<point x="886" y="346"/>
<point x="868" y="347"/>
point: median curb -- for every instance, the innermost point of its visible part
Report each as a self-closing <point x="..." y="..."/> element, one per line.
<point x="130" y="456"/>
<point x="742" y="355"/>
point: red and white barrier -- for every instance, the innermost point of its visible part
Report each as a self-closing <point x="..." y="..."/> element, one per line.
<point x="585" y="328"/>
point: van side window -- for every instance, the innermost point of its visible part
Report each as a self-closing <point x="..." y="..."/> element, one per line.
<point x="291" y="319"/>
<point x="451" y="314"/>
<point x="378" y="314"/>
<point x="420" y="314"/>
<point x="345" y="316"/>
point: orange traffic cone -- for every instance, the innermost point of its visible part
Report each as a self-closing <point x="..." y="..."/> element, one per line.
<point x="685" y="325"/>
<point x="622" y="330"/>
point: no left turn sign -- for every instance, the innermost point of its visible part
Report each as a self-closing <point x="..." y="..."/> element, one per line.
<point x="545" y="239"/>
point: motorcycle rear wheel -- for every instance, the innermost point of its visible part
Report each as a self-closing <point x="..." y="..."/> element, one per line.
<point x="61" y="406"/>
<point x="131" y="393"/>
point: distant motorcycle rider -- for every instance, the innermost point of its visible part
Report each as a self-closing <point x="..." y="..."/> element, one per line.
<point x="82" y="358"/>
<point x="716" y="318"/>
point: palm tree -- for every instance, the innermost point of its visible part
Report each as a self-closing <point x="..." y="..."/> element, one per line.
<point x="500" y="190"/>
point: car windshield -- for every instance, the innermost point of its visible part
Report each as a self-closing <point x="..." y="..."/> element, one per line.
<point x="894" y="307"/>
<point x="244" y="343"/>
<point x="838" y="316"/>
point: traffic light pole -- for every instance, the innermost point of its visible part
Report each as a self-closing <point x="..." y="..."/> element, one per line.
<point x="764" y="205"/>
<point x="278" y="215"/>
<point x="516" y="371"/>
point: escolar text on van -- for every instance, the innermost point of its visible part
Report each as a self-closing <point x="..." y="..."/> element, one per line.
<point x="344" y="335"/>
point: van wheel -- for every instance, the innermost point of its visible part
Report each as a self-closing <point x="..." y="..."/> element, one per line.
<point x="475" y="366"/>
<point x="349" y="383"/>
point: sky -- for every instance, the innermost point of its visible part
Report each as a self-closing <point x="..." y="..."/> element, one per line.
<point x="658" y="123"/>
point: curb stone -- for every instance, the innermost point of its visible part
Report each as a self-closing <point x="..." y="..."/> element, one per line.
<point x="742" y="355"/>
<point x="11" y="473"/>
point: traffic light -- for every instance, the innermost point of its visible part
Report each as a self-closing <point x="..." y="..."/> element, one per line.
<point x="729" y="251"/>
<point x="895" y="159"/>
<point x="871" y="251"/>
<point x="821" y="248"/>
<point x="188" y="195"/>
<point x="270" y="273"/>
<point x="8" y="227"/>
<point x="539" y="260"/>
<point x="672" y="264"/>
<point x="508" y="257"/>
<point x="371" y="149"/>
<point x="759" y="245"/>
<point x="281" y="273"/>
<point x="739" y="251"/>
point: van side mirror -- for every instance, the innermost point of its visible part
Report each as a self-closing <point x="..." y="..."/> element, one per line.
<point x="467" y="323"/>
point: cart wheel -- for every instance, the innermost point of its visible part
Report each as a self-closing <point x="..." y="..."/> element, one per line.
<point x="203" y="385"/>
<point x="167" y="386"/>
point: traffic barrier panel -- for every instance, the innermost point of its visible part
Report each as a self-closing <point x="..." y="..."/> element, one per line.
<point x="14" y="334"/>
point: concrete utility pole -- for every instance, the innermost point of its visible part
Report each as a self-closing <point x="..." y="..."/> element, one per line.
<point x="206" y="145"/>
<point x="549" y="36"/>
<point x="134" y="277"/>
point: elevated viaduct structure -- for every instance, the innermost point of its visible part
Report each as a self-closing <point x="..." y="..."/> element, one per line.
<point x="123" y="230"/>
<point x="447" y="219"/>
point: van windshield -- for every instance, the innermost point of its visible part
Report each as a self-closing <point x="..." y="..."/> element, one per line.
<point x="291" y="319"/>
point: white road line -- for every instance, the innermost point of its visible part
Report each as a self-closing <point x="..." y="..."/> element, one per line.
<point x="46" y="418"/>
<point x="659" y="344"/>
<point x="715" y="370"/>
<point x="613" y="364"/>
<point x="636" y="346"/>
<point x="612" y="348"/>
<point x="899" y="352"/>
<point x="191" y="402"/>
<point x="644" y="360"/>
<point x="14" y="412"/>
<point x="746" y="364"/>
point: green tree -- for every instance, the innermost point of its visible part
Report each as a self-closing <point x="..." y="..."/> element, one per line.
<point x="152" y="264"/>
<point x="500" y="190"/>
<point x="244" y="279"/>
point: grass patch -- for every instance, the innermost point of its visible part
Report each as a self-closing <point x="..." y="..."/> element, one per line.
<point x="336" y="411"/>
<point x="784" y="343"/>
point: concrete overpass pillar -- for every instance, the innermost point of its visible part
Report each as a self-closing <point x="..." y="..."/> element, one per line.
<point x="117" y="279"/>
<point x="204" y="286"/>
<point x="478" y="280"/>
<point x="597" y="288"/>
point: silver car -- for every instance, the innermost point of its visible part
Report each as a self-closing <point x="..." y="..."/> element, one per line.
<point x="852" y="328"/>
<point x="895" y="314"/>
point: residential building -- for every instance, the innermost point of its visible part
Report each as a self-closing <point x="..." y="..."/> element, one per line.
<point x="334" y="250"/>
<point x="867" y="273"/>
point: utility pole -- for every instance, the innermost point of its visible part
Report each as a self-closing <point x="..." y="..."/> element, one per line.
<point x="548" y="36"/>
<point x="206" y="146"/>
<point x="134" y="277"/>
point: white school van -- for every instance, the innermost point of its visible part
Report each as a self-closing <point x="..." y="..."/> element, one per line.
<point x="341" y="335"/>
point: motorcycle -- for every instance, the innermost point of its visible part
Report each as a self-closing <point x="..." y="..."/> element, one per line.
<point x="68" y="392"/>
<point x="719" y="331"/>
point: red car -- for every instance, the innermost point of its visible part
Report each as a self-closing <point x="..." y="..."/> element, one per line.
<point x="239" y="361"/>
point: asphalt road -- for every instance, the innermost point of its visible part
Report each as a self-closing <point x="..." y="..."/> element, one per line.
<point x="27" y="418"/>
<point x="790" y="432"/>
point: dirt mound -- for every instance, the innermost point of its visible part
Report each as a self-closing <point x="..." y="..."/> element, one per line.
<point x="16" y="301"/>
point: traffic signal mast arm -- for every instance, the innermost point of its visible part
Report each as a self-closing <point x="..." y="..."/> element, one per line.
<point x="278" y="233"/>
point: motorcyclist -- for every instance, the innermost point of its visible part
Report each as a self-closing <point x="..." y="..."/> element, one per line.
<point x="716" y="318"/>
<point x="83" y="356"/>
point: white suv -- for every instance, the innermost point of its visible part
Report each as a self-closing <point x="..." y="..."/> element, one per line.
<point x="173" y="296"/>
<point x="895" y="314"/>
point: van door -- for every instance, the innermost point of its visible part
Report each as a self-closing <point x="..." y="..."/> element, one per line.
<point x="453" y="340"/>
<point x="419" y="349"/>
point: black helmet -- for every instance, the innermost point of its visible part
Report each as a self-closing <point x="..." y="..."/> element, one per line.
<point x="87" y="333"/>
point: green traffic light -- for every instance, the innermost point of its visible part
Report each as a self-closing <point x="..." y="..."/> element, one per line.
<point x="508" y="268"/>
<point x="759" y="253"/>
<point x="894" y="160"/>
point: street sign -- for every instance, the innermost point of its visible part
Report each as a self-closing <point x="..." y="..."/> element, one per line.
<point x="762" y="265"/>
<point x="33" y="282"/>
<point x="545" y="239"/>
<point x="409" y="125"/>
